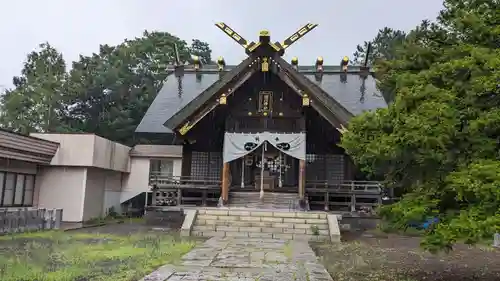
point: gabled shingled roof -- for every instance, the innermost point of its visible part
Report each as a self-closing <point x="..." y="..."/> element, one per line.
<point x="350" y="94"/>
<point x="330" y="104"/>
<point x="203" y="97"/>
<point x="171" y="98"/>
<point x="357" y="93"/>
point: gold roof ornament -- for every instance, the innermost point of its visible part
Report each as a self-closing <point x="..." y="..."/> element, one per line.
<point x="223" y="99"/>
<point x="264" y="32"/>
<point x="344" y="63"/>
<point x="196" y="62"/>
<point x="265" y="64"/>
<point x="305" y="100"/>
<point x="221" y="63"/>
<point x="319" y="61"/>
<point x="319" y="64"/>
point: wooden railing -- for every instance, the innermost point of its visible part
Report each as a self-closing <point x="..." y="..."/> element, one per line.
<point x="184" y="190"/>
<point x="352" y="196"/>
<point x="162" y="180"/>
<point x="345" y="186"/>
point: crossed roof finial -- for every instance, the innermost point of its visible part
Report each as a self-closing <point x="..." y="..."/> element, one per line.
<point x="264" y="38"/>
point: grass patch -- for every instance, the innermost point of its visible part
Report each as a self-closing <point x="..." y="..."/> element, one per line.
<point x="70" y="256"/>
<point x="288" y="251"/>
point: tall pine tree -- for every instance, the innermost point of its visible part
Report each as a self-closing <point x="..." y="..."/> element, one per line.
<point x="438" y="142"/>
<point x="34" y="104"/>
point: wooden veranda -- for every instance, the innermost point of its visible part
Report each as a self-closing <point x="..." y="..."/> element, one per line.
<point x="348" y="196"/>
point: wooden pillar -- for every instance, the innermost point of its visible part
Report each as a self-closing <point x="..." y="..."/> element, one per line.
<point x="302" y="180"/>
<point x="186" y="162"/>
<point x="349" y="168"/>
<point x="225" y="183"/>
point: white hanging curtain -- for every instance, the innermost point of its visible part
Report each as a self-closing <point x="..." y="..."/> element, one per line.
<point x="293" y="144"/>
<point x="237" y="145"/>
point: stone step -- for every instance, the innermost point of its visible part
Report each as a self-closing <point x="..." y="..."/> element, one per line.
<point x="213" y="223"/>
<point x="269" y="235"/>
<point x="257" y="199"/>
<point x="263" y="219"/>
<point x="256" y="195"/>
<point x="246" y="200"/>
<point x="257" y="213"/>
<point x="266" y="194"/>
<point x="262" y="224"/>
<point x="216" y="222"/>
<point x="254" y="229"/>
<point x="277" y="201"/>
<point x="282" y="197"/>
<point x="268" y="206"/>
<point x="261" y="205"/>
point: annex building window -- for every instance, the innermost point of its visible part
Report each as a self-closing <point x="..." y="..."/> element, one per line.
<point x="16" y="190"/>
<point x="163" y="167"/>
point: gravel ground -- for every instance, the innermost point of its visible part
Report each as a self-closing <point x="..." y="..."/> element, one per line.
<point x="371" y="257"/>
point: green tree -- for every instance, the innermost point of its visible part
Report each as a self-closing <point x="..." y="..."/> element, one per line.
<point x="438" y="142"/>
<point x="111" y="91"/>
<point x="34" y="104"/>
<point x="383" y="46"/>
<point x="201" y="49"/>
<point x="106" y="93"/>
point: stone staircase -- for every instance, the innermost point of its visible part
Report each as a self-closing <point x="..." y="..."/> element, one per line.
<point x="273" y="224"/>
<point x="271" y="200"/>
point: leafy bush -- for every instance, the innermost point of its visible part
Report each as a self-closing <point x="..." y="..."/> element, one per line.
<point x="438" y="142"/>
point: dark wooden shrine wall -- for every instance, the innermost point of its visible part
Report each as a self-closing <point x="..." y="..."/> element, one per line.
<point x="203" y="153"/>
<point x="246" y="98"/>
<point x="284" y="114"/>
<point x="322" y="137"/>
<point x="208" y="134"/>
<point x="331" y="168"/>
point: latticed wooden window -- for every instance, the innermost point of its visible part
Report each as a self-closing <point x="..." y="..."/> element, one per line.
<point x="199" y="164"/>
<point x="206" y="164"/>
<point x="334" y="168"/>
<point x="215" y="165"/>
<point x="329" y="168"/>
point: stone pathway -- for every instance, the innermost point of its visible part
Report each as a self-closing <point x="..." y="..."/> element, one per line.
<point x="246" y="260"/>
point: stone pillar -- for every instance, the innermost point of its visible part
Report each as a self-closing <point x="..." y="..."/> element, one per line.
<point x="302" y="180"/>
<point x="225" y="183"/>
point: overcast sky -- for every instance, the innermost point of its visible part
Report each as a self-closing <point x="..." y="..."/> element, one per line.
<point x="78" y="27"/>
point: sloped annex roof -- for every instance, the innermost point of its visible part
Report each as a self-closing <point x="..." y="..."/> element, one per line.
<point x="354" y="91"/>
